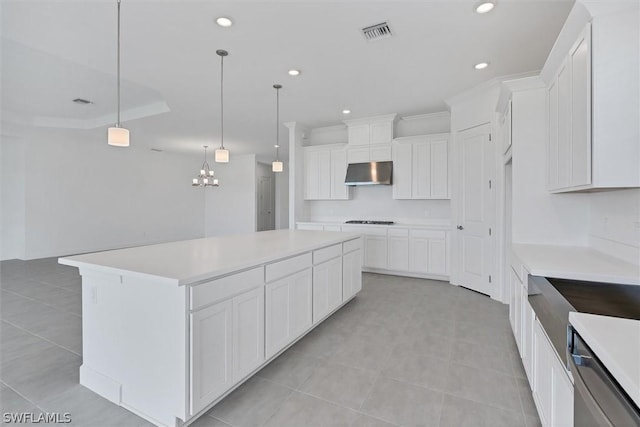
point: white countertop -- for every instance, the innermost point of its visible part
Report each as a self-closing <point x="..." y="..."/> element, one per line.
<point x="578" y="263"/>
<point x="616" y="342"/>
<point x="195" y="260"/>
<point x="431" y="225"/>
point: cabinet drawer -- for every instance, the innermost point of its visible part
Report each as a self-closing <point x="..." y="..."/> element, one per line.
<point x="325" y="254"/>
<point x="289" y="266"/>
<point x="429" y="234"/>
<point x="398" y="232"/>
<point x="226" y="287"/>
<point x="351" y="245"/>
<point x="332" y="228"/>
<point x="376" y="231"/>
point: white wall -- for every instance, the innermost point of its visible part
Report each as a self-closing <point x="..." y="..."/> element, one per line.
<point x="81" y="195"/>
<point x="615" y="223"/>
<point x="231" y="207"/>
<point x="375" y="202"/>
<point x="12" y="202"/>
<point x="540" y="217"/>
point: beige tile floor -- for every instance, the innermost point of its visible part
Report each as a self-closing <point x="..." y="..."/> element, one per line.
<point x="405" y="352"/>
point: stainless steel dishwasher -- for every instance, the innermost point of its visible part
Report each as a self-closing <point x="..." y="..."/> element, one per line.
<point x="598" y="399"/>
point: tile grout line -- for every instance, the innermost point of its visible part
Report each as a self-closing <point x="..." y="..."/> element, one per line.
<point x="43" y="303"/>
<point x="40" y="337"/>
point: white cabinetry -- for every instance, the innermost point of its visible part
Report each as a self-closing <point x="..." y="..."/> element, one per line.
<point x="552" y="388"/>
<point x="375" y="248"/>
<point x="369" y="139"/>
<point x="327" y="281"/>
<point x="211" y="354"/>
<point x="398" y="249"/>
<point x="594" y="102"/>
<point x="351" y="268"/>
<point x="421" y="169"/>
<point x="428" y="252"/>
<point x="325" y="168"/>
<point x="227" y="343"/>
<point x="288" y="310"/>
<point x="371" y="130"/>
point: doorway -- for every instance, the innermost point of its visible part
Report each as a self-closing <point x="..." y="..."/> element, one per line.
<point x="266" y="202"/>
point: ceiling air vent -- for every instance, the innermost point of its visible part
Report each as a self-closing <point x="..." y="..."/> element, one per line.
<point x="377" y="32"/>
<point x="82" y="101"/>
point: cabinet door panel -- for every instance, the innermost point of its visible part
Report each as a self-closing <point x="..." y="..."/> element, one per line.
<point x="380" y="154"/>
<point x="552" y="149"/>
<point x="402" y="167"/>
<point x="562" y="396"/>
<point x="351" y="274"/>
<point x="398" y="253"/>
<point x="581" y="113"/>
<point x="324" y="174"/>
<point x="211" y="354"/>
<point x="375" y="251"/>
<point x="437" y="261"/>
<point x="421" y="173"/>
<point x="301" y="302"/>
<point x="248" y="332"/>
<point x="358" y="134"/>
<point x="327" y="287"/>
<point x="419" y="253"/>
<point x="542" y="373"/>
<point x="310" y="175"/>
<point x="381" y="132"/>
<point x="339" y="191"/>
<point x="564" y="126"/>
<point x="439" y="169"/>
<point x="278" y="326"/>
<point x="288" y="310"/>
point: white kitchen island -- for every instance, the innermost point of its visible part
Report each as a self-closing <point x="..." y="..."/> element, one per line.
<point x="168" y="330"/>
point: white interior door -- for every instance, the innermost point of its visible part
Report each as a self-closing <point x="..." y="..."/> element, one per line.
<point x="476" y="209"/>
<point x="266" y="203"/>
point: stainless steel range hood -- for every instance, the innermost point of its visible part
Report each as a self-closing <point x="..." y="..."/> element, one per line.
<point x="372" y="173"/>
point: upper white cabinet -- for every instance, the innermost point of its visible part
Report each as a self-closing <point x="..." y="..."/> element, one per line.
<point x="594" y="105"/>
<point x="370" y="130"/>
<point x="421" y="167"/>
<point x="369" y="139"/>
<point x="325" y="168"/>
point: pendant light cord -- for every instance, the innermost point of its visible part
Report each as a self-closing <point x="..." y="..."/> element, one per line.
<point x="118" y="66"/>
<point x="221" y="102"/>
<point x="277" y="124"/>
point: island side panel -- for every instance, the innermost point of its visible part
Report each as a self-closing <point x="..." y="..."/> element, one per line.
<point x="134" y="343"/>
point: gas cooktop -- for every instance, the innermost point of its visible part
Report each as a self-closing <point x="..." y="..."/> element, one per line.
<point x="362" y="221"/>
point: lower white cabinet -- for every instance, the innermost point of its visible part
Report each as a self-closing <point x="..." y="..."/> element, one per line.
<point x="288" y="310"/>
<point x="351" y="274"/>
<point x="227" y="343"/>
<point x="398" y="248"/>
<point x="375" y="251"/>
<point x="428" y="252"/>
<point x="552" y="389"/>
<point x="327" y="287"/>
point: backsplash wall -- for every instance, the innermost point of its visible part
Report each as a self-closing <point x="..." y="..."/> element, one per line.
<point x="376" y="203"/>
<point x="615" y="223"/>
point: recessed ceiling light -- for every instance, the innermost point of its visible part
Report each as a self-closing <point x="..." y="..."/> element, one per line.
<point x="223" y="21"/>
<point x="294" y="72"/>
<point x="346" y="111"/>
<point x="485" y="7"/>
<point x="481" y="65"/>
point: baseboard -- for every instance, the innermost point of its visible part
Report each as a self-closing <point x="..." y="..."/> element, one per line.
<point x="405" y="274"/>
<point x="106" y="387"/>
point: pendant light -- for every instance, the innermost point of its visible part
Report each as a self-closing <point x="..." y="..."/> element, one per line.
<point x="205" y="177"/>
<point x="117" y="135"/>
<point x="222" y="154"/>
<point x="277" y="166"/>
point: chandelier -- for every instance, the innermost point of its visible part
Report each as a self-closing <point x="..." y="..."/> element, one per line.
<point x="205" y="177"/>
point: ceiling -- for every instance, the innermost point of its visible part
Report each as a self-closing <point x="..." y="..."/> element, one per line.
<point x="56" y="51"/>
